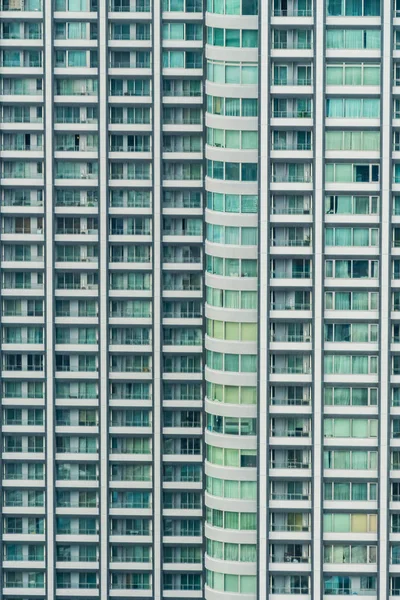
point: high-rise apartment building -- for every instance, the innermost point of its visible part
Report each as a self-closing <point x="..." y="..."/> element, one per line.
<point x="186" y="417"/>
<point x="101" y="292"/>
<point x="302" y="372"/>
<point x="302" y="348"/>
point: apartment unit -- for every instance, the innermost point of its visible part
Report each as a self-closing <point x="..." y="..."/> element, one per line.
<point x="101" y="298"/>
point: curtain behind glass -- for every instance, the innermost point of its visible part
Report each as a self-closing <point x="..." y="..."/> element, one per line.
<point x="334" y="38"/>
<point x="342" y="396"/>
<point x="76" y="31"/>
<point x="353" y="8"/>
<point x="354" y="38"/>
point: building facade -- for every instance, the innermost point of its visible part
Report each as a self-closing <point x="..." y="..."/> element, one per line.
<point x="102" y="286"/>
<point x="301" y="309"/>
<point x="200" y="299"/>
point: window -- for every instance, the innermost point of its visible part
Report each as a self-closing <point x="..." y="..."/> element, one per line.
<point x="232" y="73"/>
<point x="232" y="107"/>
<point x="244" y="584"/>
<point x="179" y="59"/>
<point x="230" y="171"/>
<point x="352" y="269"/>
<point x="349" y="523"/>
<point x="350" y="428"/>
<point x="231" y="457"/>
<point x="236" y="38"/>
<point x="233" y="203"/>
<point x="350" y="396"/>
<point x="351" y="332"/>
<point x="351" y="236"/>
<point x="353" y="108"/>
<point x="231" y="394"/>
<point x="243" y="363"/>
<point x="244" y="236"/>
<point x="231" y="267"/>
<point x="292" y="172"/>
<point x="345" y="364"/>
<point x="236" y="7"/>
<point x="291" y="74"/>
<point x="235" y="139"/>
<point x="225" y="488"/>
<point x="348" y="8"/>
<point x="231" y="425"/>
<point x="353" y="38"/>
<point x="355" y="553"/>
<point x="182" y="6"/>
<point x="231" y="298"/>
<point x="353" y="74"/>
<point x="353" y="205"/>
<point x="352" y="140"/>
<point x="351" y="300"/>
<point x="353" y="173"/>
<point x="350" y="491"/>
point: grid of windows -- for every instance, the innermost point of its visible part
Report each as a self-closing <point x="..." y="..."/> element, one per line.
<point x="326" y="88"/>
<point x="119" y="324"/>
<point x="231" y="185"/>
<point x="101" y="371"/>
